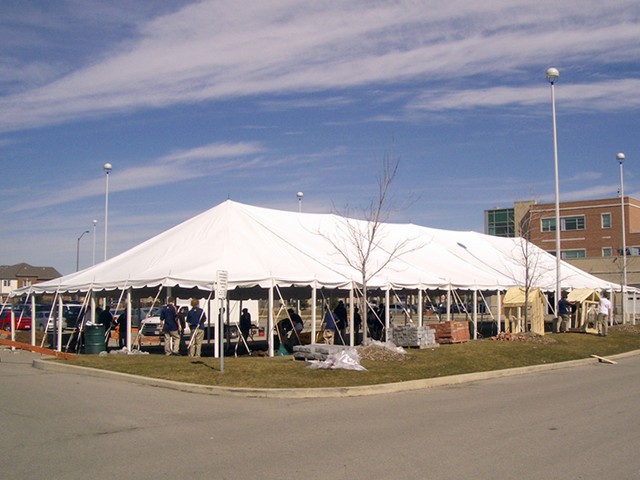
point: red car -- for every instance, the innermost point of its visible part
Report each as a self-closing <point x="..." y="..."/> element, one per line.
<point x="23" y="323"/>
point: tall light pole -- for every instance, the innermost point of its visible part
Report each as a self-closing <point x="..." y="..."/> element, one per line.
<point x="300" y="195"/>
<point x="552" y="75"/>
<point x="107" y="168"/>
<point x="620" y="158"/>
<point x="78" y="249"/>
<point x="95" y="223"/>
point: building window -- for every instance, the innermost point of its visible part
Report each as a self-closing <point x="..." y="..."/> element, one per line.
<point x="606" y="220"/>
<point x="606" y="252"/>
<point x="500" y="222"/>
<point x="566" y="224"/>
<point x="571" y="254"/>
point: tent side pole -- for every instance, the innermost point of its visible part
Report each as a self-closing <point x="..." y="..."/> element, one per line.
<point x="386" y="313"/>
<point x="93" y="308"/>
<point x="129" y="309"/>
<point x="314" y="301"/>
<point x="60" y="306"/>
<point x="499" y="313"/>
<point x="351" y="316"/>
<point x="449" y="303"/>
<point x="612" y="315"/>
<point x="33" y="321"/>
<point x="475" y="314"/>
<point x="270" y="322"/>
<point x="420" y="309"/>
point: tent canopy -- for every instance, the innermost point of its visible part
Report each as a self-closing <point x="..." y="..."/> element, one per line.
<point x="261" y="247"/>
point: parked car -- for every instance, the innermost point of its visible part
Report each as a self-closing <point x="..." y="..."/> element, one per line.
<point x="397" y="308"/>
<point x="48" y="320"/>
<point x="23" y="323"/>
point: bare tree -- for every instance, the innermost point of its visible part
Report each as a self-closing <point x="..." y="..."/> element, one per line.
<point x="362" y="239"/>
<point x="528" y="257"/>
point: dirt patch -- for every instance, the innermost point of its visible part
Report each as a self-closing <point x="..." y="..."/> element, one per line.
<point x="627" y="328"/>
<point x="381" y="354"/>
<point x="524" y="338"/>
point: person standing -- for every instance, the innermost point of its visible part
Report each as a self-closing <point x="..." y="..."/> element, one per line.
<point x="106" y="320"/>
<point x="182" y="320"/>
<point x="340" y="313"/>
<point x="170" y="328"/>
<point x="357" y="321"/>
<point x="329" y="328"/>
<point x="564" y="314"/>
<point x="245" y="325"/>
<point x="122" y="329"/>
<point x="604" y="314"/>
<point x="196" y="320"/>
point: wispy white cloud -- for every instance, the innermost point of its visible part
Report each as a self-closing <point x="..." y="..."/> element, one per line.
<point x="215" y="50"/>
<point x="171" y="168"/>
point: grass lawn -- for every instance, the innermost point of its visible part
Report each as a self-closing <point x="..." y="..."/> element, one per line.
<point x="284" y="372"/>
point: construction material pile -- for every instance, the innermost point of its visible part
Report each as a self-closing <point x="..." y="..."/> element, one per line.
<point x="381" y="352"/>
<point x="626" y="328"/>
<point x="528" y="337"/>
<point x="414" y="336"/>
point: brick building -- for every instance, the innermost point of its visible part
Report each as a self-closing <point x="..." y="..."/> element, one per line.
<point x="590" y="234"/>
<point x="22" y="275"/>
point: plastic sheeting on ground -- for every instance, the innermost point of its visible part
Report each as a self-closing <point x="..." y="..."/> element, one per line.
<point x="347" y="359"/>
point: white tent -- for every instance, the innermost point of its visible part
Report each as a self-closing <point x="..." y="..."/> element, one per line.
<point x="262" y="249"/>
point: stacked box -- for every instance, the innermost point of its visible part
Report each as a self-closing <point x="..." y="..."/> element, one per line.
<point x="451" y="332"/>
<point x="414" y="336"/>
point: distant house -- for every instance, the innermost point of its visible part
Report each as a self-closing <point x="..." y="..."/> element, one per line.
<point x="23" y="275"/>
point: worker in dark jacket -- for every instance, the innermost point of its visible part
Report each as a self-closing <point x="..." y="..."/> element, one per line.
<point x="170" y="328"/>
<point x="196" y="320"/>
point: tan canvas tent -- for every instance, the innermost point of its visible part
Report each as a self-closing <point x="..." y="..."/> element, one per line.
<point x="586" y="302"/>
<point x="514" y="310"/>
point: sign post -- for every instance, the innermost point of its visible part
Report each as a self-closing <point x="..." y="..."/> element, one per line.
<point x="221" y="295"/>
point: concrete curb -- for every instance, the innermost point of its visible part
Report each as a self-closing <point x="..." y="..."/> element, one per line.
<point x="333" y="392"/>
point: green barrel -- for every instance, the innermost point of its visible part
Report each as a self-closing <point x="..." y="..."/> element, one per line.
<point x="94" y="339"/>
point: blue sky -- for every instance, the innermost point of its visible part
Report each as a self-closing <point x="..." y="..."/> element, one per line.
<point x="197" y="102"/>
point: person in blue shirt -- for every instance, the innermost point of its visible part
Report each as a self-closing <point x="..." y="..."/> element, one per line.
<point x="170" y="328"/>
<point x="329" y="328"/>
<point x="196" y="319"/>
<point x="564" y="314"/>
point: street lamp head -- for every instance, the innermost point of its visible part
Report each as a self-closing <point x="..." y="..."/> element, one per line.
<point x="552" y="75"/>
<point x="95" y="222"/>
<point x="107" y="168"/>
<point x="300" y="195"/>
<point x="620" y="157"/>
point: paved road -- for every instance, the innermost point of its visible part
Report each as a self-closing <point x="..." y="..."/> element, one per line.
<point x="575" y="423"/>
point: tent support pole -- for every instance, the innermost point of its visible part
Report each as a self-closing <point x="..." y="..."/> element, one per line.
<point x="475" y="314"/>
<point x="270" y="321"/>
<point x="33" y="321"/>
<point x="60" y="306"/>
<point x="449" y="303"/>
<point x="386" y="313"/>
<point x="129" y="309"/>
<point x="314" y="301"/>
<point x="499" y="313"/>
<point x="93" y="307"/>
<point x="351" y="316"/>
<point x="420" y="309"/>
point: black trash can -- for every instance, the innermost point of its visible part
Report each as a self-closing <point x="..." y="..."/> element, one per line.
<point x="94" y="339"/>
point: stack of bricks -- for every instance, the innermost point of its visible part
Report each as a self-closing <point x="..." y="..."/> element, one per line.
<point x="452" y="332"/>
<point x="414" y="336"/>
